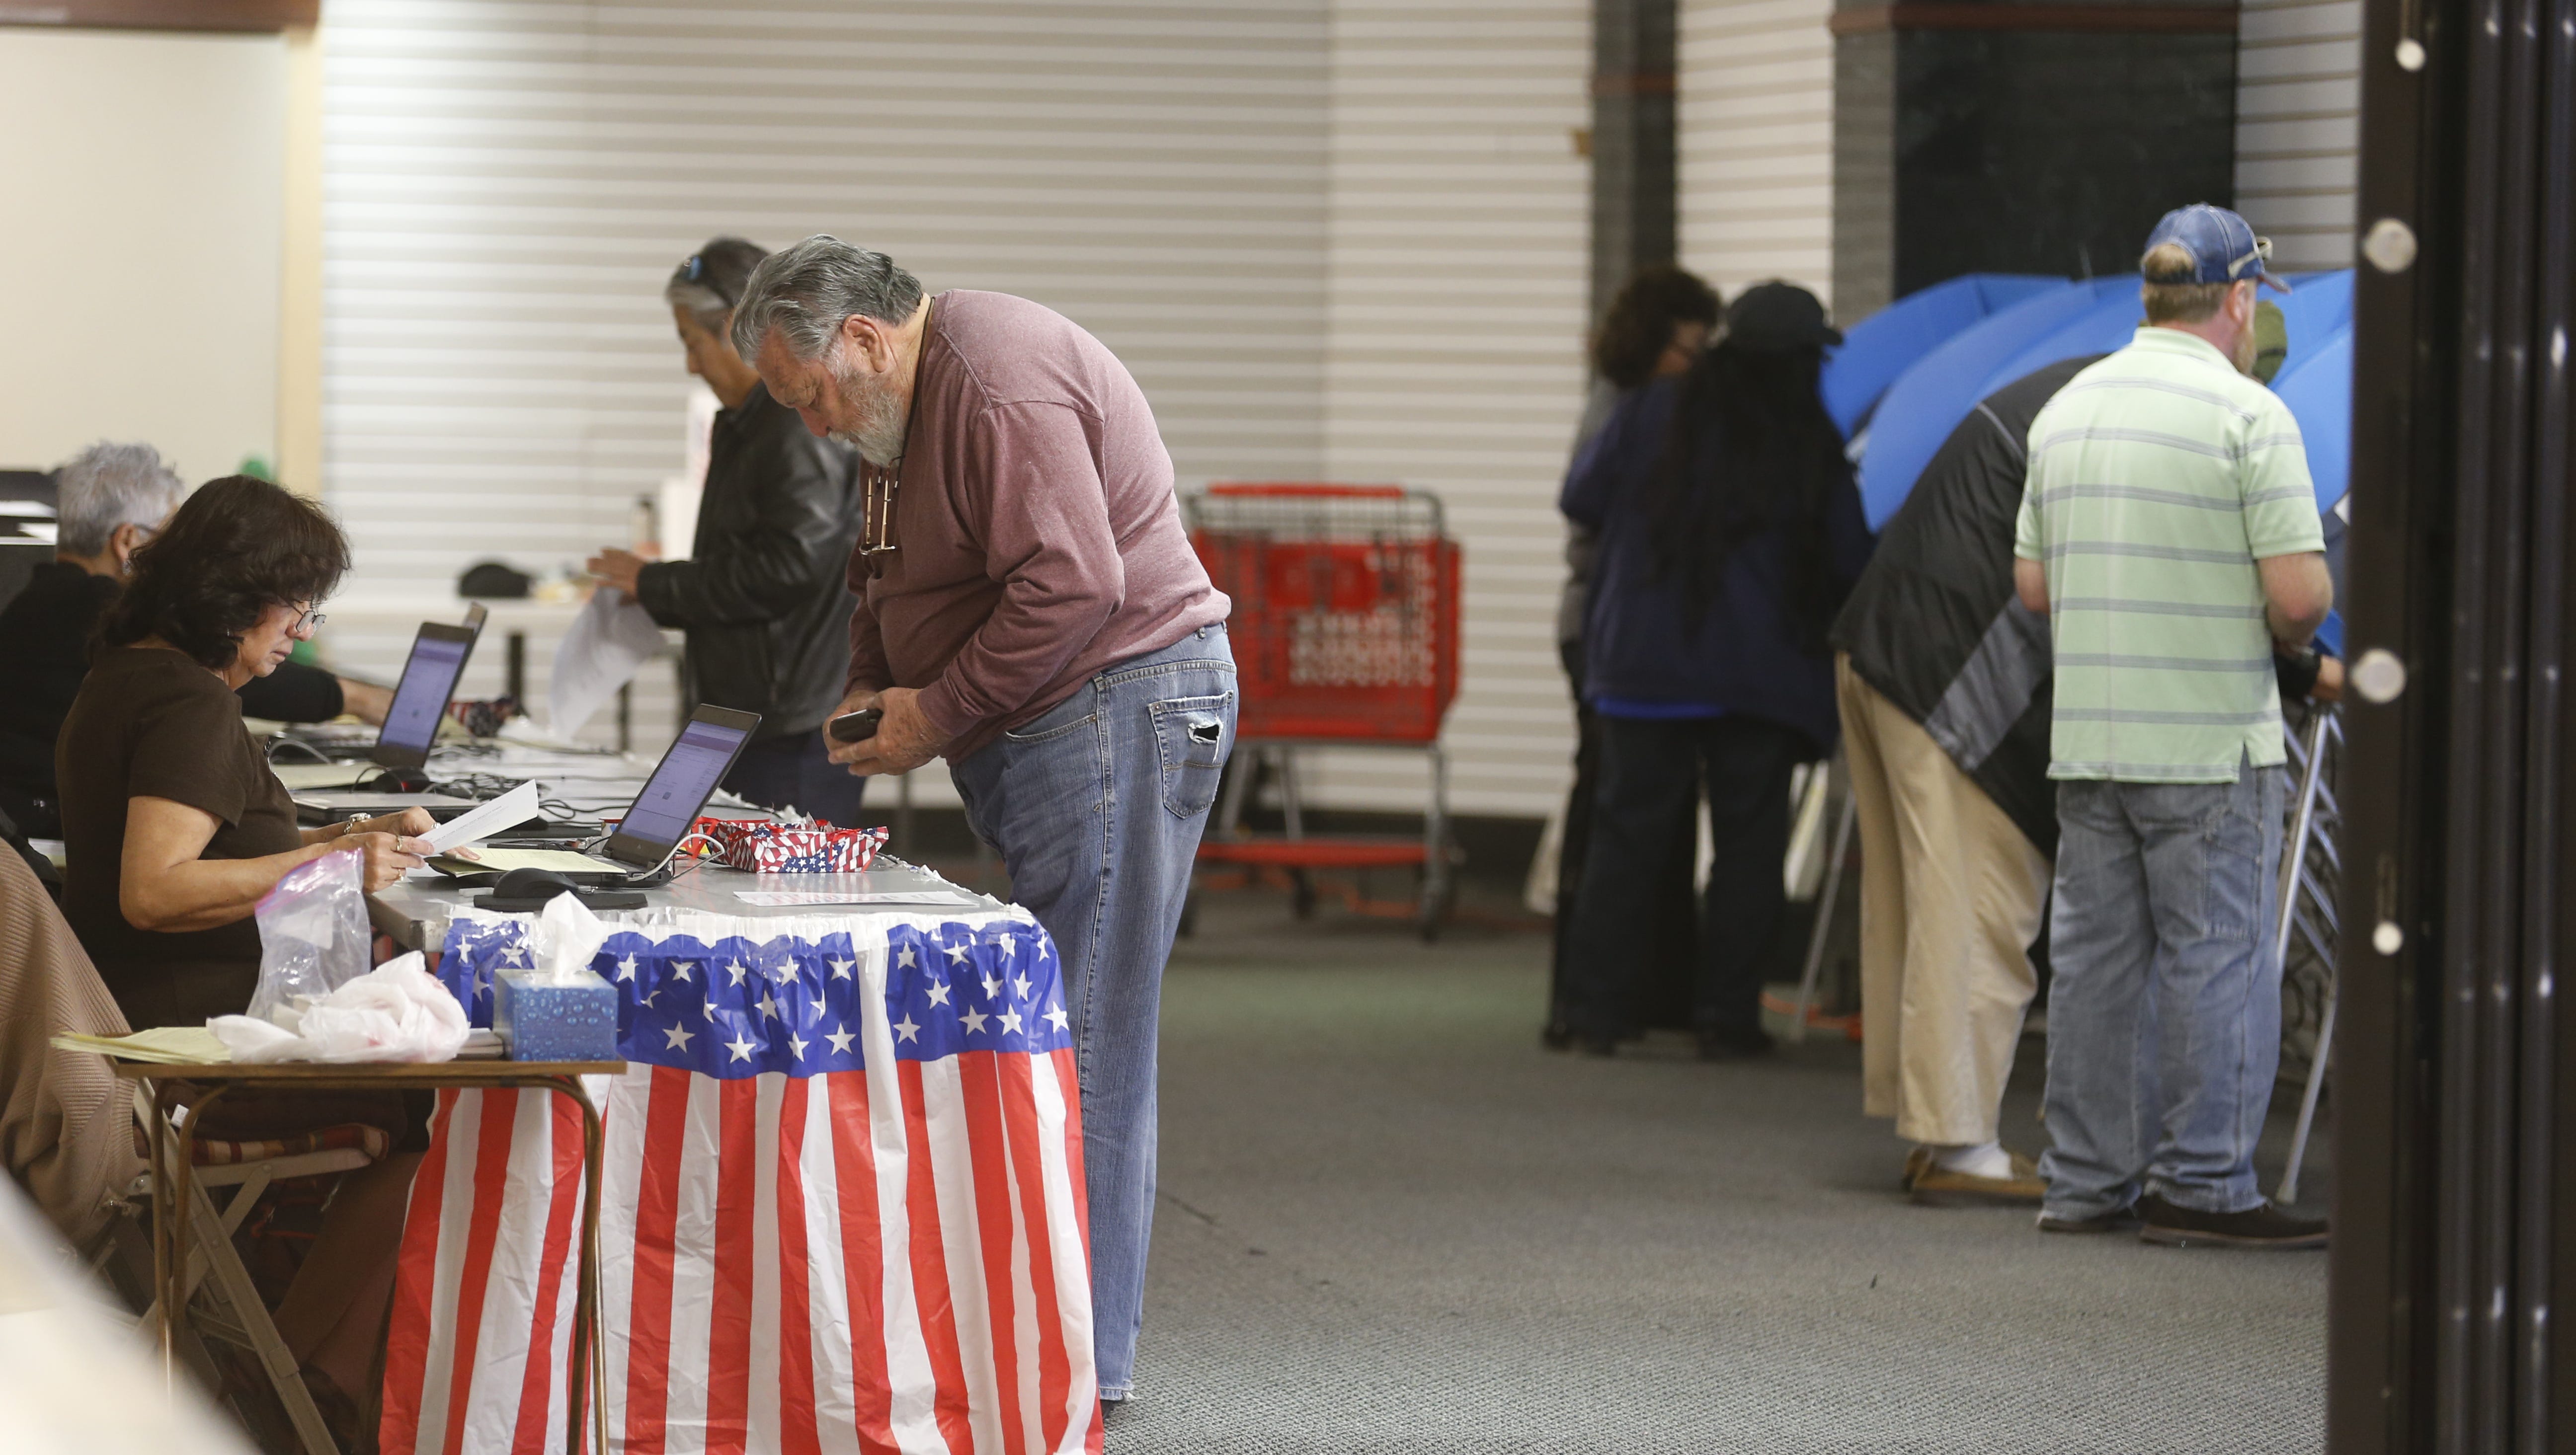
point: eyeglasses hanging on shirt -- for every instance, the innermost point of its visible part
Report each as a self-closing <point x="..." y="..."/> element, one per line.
<point x="878" y="484"/>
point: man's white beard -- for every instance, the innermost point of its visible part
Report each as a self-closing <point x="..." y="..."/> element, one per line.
<point x="882" y="424"/>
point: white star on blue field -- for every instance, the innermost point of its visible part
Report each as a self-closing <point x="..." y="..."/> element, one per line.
<point x="738" y="1007"/>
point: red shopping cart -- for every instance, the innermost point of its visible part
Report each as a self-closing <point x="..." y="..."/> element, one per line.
<point x="1345" y="634"/>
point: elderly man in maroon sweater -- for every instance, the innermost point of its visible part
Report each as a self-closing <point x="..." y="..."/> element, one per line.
<point x="1030" y="610"/>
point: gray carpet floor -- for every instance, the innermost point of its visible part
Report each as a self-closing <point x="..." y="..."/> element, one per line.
<point x="1391" y="1222"/>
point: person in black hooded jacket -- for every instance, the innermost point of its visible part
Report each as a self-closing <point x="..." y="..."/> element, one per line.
<point x="1943" y="677"/>
<point x="763" y="596"/>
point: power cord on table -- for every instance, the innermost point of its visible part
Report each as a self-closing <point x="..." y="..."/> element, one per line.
<point x="697" y="863"/>
<point x="316" y="754"/>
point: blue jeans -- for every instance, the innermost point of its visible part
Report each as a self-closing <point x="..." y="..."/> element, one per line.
<point x="2164" y="1019"/>
<point x="792" y="771"/>
<point x="1096" y="809"/>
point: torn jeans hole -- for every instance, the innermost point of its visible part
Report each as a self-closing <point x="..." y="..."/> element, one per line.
<point x="1206" y="732"/>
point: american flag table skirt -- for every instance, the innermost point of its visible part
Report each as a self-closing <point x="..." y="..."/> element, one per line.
<point x="842" y="1208"/>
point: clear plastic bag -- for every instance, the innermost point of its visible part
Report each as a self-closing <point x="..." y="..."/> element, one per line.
<point x="396" y="1012"/>
<point x="312" y="933"/>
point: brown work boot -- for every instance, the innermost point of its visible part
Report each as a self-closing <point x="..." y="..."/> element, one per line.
<point x="2261" y="1226"/>
<point x="1938" y="1186"/>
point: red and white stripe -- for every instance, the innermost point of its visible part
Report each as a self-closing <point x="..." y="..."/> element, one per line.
<point x="888" y="1260"/>
<point x="487" y="1274"/>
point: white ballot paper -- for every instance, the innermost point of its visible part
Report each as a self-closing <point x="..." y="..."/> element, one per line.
<point x="610" y="641"/>
<point x="514" y="807"/>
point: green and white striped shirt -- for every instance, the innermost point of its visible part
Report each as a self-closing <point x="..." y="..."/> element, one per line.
<point x="2158" y="477"/>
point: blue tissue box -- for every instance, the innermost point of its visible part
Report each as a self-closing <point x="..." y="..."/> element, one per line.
<point x="547" y="1020"/>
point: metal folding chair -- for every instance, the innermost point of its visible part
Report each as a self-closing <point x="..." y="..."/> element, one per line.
<point x="2311" y="867"/>
<point x="237" y="1315"/>
<point x="1819" y="788"/>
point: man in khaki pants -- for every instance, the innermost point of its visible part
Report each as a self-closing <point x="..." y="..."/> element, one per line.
<point x="1942" y="678"/>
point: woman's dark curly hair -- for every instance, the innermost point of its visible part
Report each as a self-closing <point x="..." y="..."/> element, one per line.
<point x="236" y="547"/>
<point x="1639" y="325"/>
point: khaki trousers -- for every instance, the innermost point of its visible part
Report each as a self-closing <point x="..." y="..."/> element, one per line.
<point x="1950" y="900"/>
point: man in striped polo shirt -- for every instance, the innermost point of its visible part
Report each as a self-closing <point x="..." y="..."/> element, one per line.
<point x="2169" y="529"/>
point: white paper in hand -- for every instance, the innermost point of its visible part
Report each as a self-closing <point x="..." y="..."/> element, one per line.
<point x="610" y="641"/>
<point x="514" y="807"/>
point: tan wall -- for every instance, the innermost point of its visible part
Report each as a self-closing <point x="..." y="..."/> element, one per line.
<point x="143" y="177"/>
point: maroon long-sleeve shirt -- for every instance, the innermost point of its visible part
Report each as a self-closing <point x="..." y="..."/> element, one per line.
<point x="1037" y="537"/>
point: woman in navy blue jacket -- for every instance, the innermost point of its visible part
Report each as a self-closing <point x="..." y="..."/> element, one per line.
<point x="1730" y="532"/>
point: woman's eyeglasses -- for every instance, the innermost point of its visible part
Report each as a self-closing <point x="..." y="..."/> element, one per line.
<point x="307" y="622"/>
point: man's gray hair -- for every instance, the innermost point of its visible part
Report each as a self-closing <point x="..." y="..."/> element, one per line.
<point x="805" y="292"/>
<point x="108" y="485"/>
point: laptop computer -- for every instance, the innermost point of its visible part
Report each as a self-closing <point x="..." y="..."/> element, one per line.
<point x="661" y="816"/>
<point x="410" y="731"/>
<point x="428" y="682"/>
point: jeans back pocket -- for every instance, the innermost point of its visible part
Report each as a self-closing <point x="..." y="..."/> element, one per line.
<point x="1192" y="736"/>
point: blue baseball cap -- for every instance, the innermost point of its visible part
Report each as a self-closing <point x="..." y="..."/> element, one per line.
<point x="2222" y="245"/>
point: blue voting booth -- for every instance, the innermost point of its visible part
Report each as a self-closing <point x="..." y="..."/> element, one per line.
<point x="1904" y="377"/>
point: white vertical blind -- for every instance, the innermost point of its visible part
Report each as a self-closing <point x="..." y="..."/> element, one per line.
<point x="508" y="186"/>
<point x="1455" y="307"/>
<point x="1755" y="87"/>
<point x="2298" y="126"/>
<point x="1332" y="240"/>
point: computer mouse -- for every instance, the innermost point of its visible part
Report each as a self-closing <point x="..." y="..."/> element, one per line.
<point x="534" y="886"/>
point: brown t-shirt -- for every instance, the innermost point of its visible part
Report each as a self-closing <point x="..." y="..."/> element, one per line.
<point x="150" y="723"/>
<point x="1037" y="537"/>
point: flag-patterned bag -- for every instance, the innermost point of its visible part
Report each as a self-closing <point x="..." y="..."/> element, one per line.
<point x="786" y="848"/>
<point x="842" y="1207"/>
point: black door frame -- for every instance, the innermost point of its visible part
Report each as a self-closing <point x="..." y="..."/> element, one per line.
<point x="2455" y="1204"/>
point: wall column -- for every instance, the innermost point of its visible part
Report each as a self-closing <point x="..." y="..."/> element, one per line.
<point x="299" y="284"/>
<point x="2040" y="138"/>
<point x="1632" y="141"/>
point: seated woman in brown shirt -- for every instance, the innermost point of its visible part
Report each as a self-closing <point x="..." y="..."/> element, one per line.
<point x="173" y="825"/>
<point x="175" y="828"/>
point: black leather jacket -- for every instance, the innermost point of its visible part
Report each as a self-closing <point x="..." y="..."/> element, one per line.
<point x="764" y="597"/>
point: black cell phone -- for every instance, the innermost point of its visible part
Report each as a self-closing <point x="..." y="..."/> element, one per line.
<point x="856" y="727"/>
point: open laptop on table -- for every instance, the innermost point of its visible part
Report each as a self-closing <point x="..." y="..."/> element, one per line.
<point x="402" y="745"/>
<point x="655" y="823"/>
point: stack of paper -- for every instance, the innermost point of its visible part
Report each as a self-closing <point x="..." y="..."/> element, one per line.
<point x="197" y="1046"/>
<point x="162" y="1046"/>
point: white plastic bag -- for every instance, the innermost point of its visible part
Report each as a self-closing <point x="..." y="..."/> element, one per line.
<point x="398" y="1012"/>
<point x="312" y="932"/>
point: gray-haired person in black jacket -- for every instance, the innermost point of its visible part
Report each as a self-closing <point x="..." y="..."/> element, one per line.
<point x="763" y="596"/>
